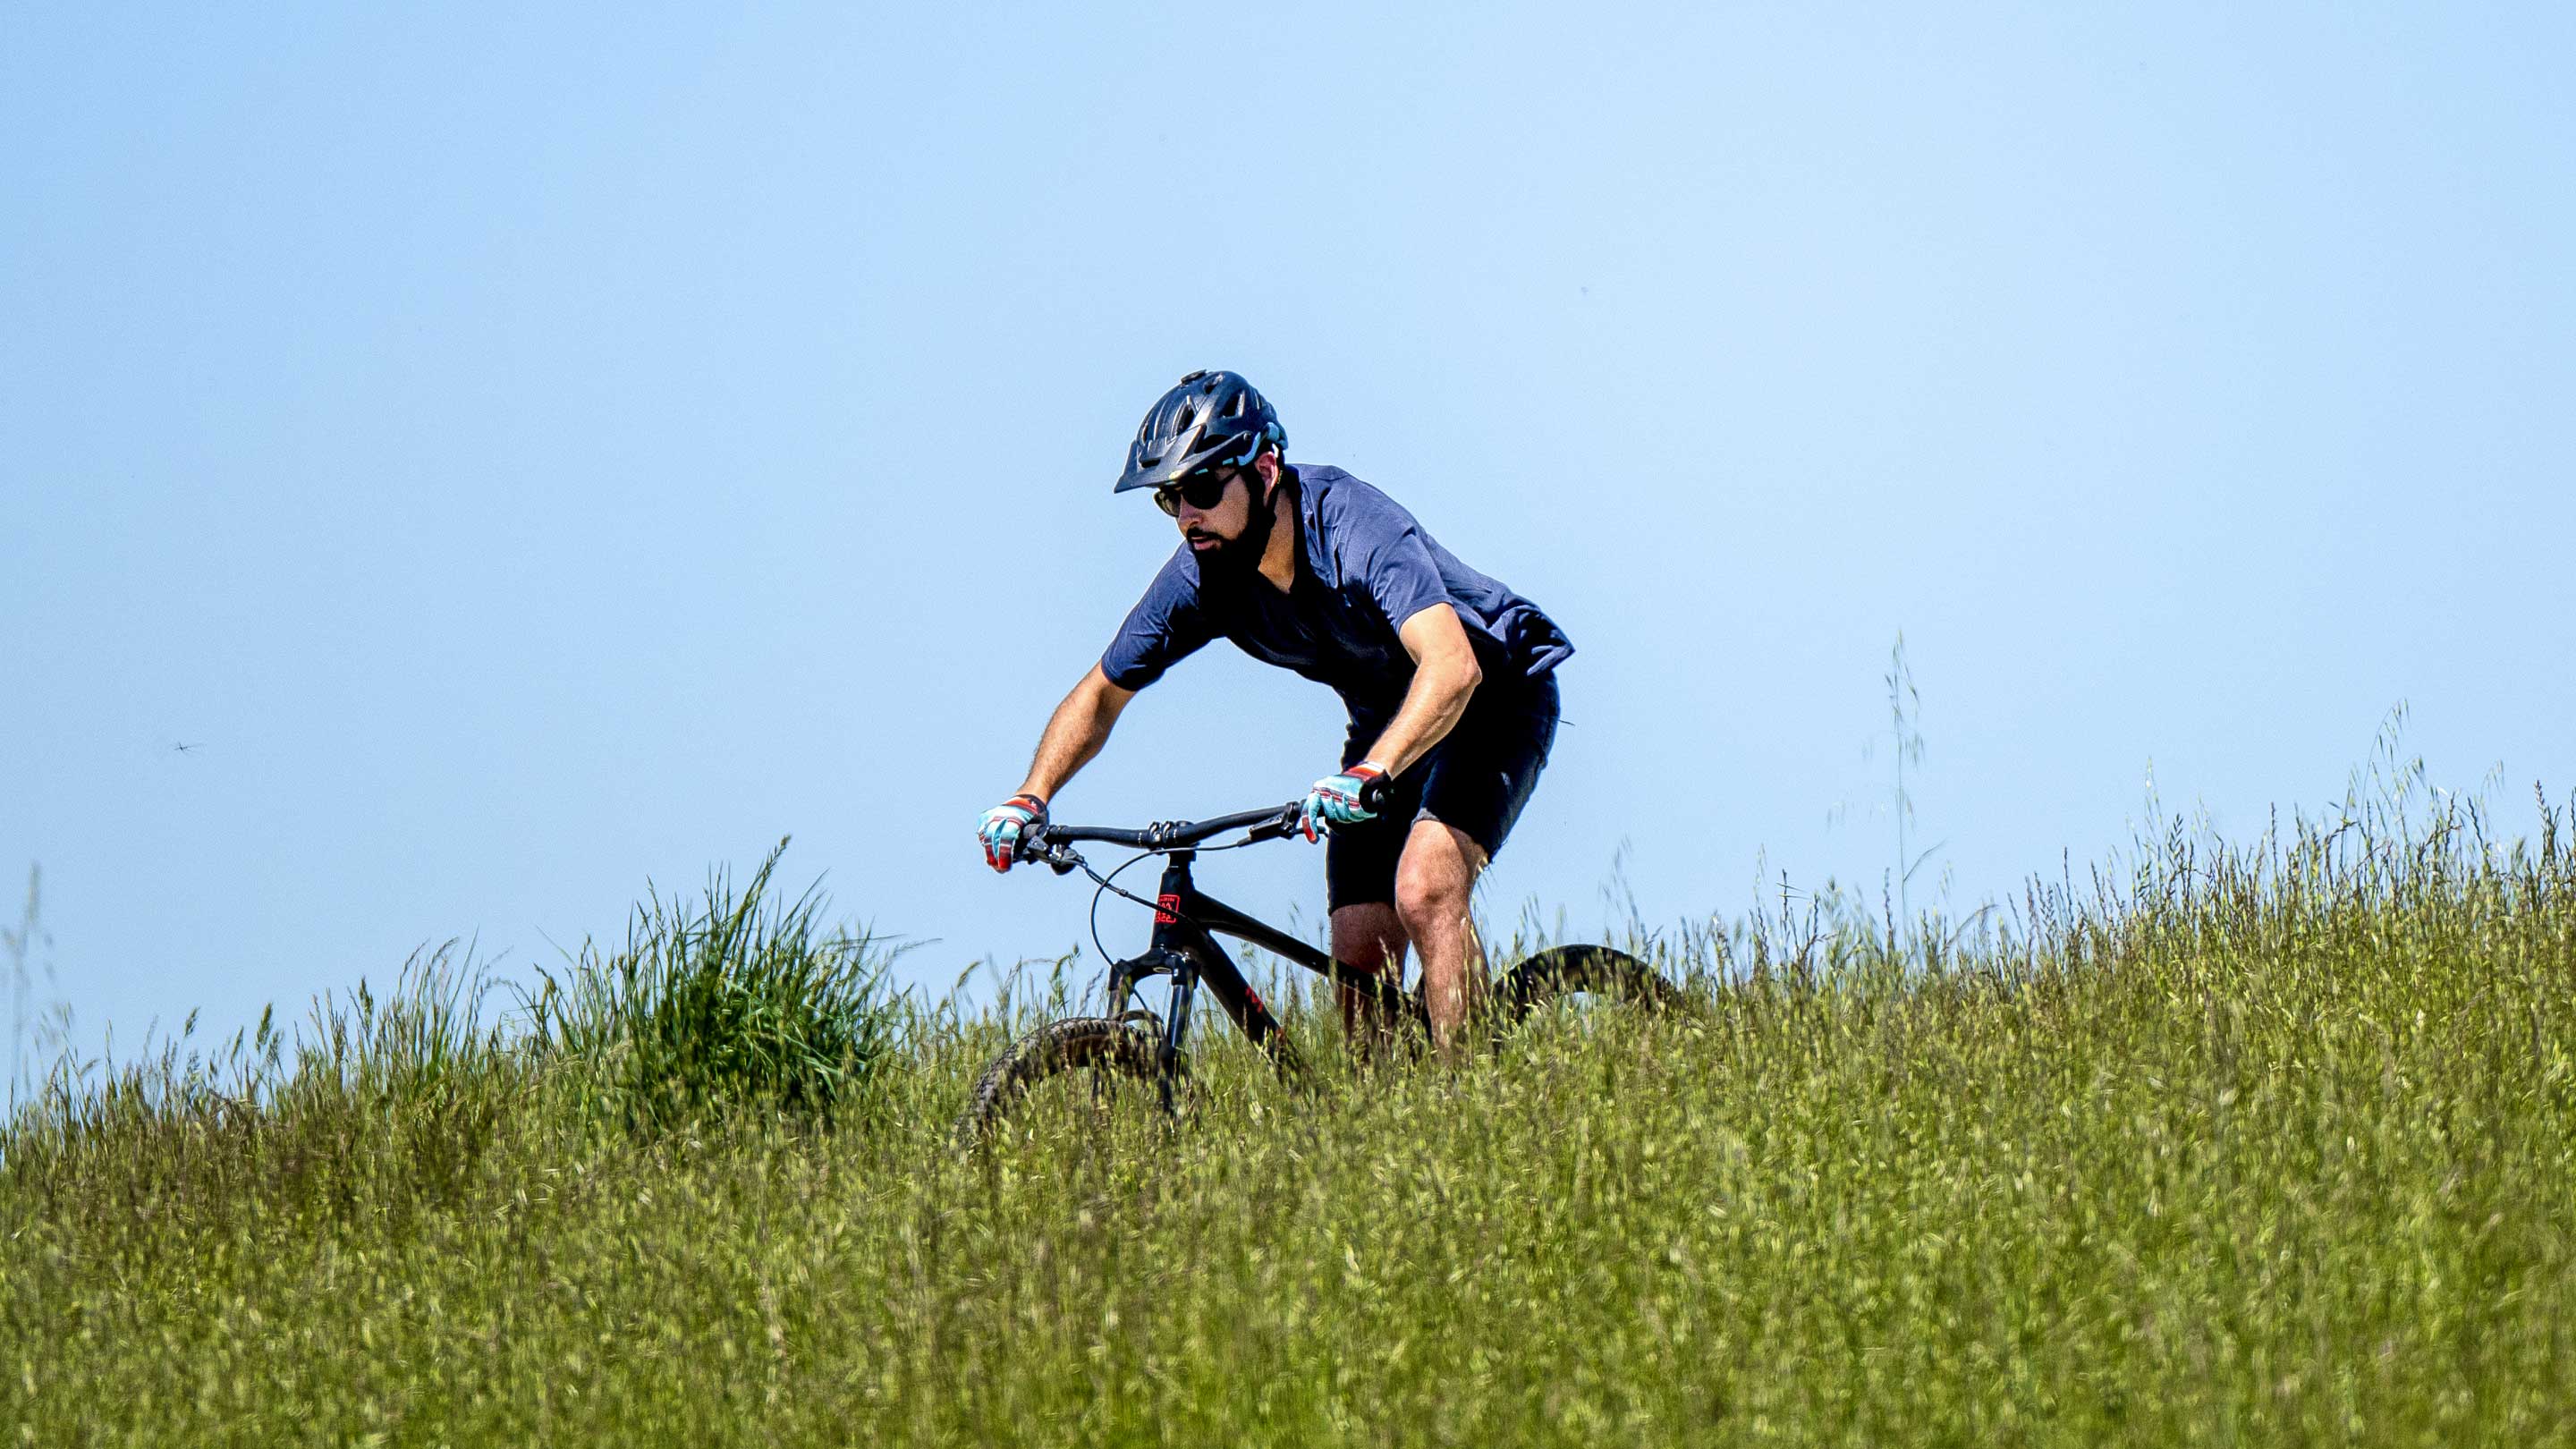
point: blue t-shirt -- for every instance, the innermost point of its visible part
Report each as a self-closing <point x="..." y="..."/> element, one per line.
<point x="1364" y="567"/>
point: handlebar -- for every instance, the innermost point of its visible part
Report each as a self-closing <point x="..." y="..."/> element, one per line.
<point x="1046" y="842"/>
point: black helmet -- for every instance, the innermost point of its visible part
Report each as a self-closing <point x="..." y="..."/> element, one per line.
<point x="1208" y="420"/>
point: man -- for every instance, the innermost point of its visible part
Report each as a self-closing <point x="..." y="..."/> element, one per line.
<point x="1447" y="674"/>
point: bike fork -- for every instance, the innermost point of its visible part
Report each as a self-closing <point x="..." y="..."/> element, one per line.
<point x="1176" y="1032"/>
<point x="1185" y="976"/>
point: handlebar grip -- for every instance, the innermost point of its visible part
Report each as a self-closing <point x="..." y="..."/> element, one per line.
<point x="1374" y="791"/>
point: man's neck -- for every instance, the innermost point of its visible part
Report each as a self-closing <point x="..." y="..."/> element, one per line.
<point x="1279" y="556"/>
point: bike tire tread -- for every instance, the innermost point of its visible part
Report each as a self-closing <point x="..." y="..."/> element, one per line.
<point x="1596" y="969"/>
<point x="1068" y="1044"/>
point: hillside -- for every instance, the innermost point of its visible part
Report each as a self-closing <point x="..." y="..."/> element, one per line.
<point x="2268" y="1143"/>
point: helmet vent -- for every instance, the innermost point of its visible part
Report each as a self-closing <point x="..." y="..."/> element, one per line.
<point x="1209" y="419"/>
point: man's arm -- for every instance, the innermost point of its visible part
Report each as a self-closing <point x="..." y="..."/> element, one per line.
<point x="1445" y="676"/>
<point x="1077" y="730"/>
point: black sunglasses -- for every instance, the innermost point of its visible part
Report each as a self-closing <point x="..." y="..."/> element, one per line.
<point x="1201" y="491"/>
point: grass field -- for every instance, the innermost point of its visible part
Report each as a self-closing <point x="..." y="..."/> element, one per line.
<point x="2268" y="1144"/>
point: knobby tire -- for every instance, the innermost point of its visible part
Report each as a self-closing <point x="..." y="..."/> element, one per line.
<point x="1566" y="970"/>
<point x="1076" y="1043"/>
<point x="1124" y="1047"/>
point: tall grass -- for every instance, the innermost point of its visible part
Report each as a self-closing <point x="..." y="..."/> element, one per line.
<point x="20" y="944"/>
<point x="738" y="999"/>
<point x="2267" y="1142"/>
<point x="381" y="1105"/>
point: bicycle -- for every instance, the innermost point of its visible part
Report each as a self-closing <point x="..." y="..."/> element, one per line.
<point x="1135" y="1042"/>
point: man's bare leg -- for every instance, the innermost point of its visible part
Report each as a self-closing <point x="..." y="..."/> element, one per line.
<point x="1434" y="881"/>
<point x="1367" y="938"/>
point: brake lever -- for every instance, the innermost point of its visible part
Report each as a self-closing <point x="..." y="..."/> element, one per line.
<point x="1035" y="850"/>
<point x="1278" y="827"/>
<point x="1291" y="821"/>
<point x="1291" y="817"/>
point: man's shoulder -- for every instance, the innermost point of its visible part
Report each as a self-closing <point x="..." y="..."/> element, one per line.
<point x="1345" y="504"/>
<point x="1324" y="481"/>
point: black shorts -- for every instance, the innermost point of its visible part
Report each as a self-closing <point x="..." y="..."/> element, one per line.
<point x="1476" y="780"/>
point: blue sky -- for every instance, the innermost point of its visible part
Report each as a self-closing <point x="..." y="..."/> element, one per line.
<point x="531" y="450"/>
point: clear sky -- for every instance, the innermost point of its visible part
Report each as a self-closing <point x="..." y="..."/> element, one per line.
<point x="528" y="450"/>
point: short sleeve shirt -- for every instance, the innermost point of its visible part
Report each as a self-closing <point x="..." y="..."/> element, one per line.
<point x="1365" y="566"/>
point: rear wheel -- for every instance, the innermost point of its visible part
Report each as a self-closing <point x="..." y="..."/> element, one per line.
<point x="1565" y="974"/>
<point x="1097" y="1052"/>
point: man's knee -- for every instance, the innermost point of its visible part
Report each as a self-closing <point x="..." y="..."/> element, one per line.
<point x="1435" y="877"/>
<point x="1429" y="905"/>
<point x="1369" y="936"/>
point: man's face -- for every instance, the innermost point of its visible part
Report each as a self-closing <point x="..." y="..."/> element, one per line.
<point x="1211" y="530"/>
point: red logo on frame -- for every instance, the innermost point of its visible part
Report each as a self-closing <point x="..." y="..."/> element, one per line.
<point x="1167" y="910"/>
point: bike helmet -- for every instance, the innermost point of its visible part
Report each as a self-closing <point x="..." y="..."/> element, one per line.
<point x="1207" y="420"/>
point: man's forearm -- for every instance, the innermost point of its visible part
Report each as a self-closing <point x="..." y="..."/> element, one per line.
<point x="1433" y="705"/>
<point x="1074" y="733"/>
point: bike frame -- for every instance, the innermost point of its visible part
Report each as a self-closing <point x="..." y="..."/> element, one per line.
<point x="1187" y="923"/>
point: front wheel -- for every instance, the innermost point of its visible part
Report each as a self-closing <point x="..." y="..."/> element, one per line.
<point x="1102" y="1049"/>
<point x="1566" y="971"/>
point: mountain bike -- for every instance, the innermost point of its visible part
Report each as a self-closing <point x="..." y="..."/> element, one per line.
<point x="1140" y="1044"/>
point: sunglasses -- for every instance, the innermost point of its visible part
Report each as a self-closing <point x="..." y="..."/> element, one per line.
<point x="1201" y="491"/>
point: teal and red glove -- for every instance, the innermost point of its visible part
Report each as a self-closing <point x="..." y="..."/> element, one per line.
<point x="1335" y="800"/>
<point x="1004" y="824"/>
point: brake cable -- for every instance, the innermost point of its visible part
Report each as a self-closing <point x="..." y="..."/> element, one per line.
<point x="1108" y="885"/>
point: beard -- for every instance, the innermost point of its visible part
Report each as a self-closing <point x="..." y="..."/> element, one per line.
<point x="1240" y="557"/>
